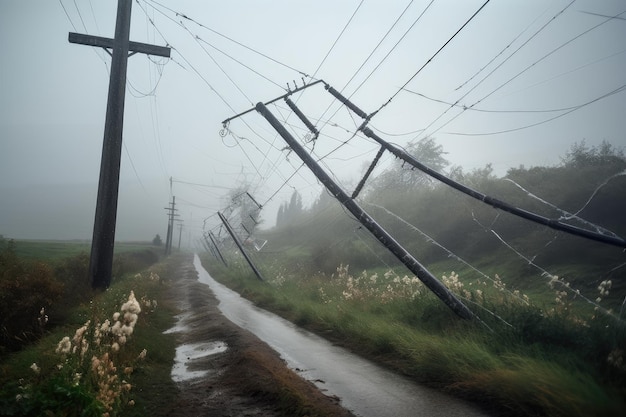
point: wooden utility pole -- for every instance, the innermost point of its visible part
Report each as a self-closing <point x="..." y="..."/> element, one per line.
<point x="170" y="225"/>
<point x="240" y="246"/>
<point x="101" y="262"/>
<point x="368" y="222"/>
<point x="217" y="248"/>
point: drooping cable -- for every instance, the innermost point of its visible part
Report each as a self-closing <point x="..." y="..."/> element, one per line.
<point x="223" y="36"/>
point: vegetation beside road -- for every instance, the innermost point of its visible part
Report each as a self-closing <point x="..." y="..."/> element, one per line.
<point x="62" y="351"/>
<point x="104" y="353"/>
<point x="550" y="337"/>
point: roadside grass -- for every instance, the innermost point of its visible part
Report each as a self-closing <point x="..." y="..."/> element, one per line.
<point x="520" y="359"/>
<point x="43" y="378"/>
<point x="51" y="250"/>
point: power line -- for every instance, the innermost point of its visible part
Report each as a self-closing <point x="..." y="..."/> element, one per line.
<point x="394" y="47"/>
<point x="526" y="69"/>
<point x="616" y="91"/>
<point x="221" y="35"/>
<point x="68" y="15"/>
<point x="338" y="37"/>
<point x="432" y="57"/>
<point x="197" y="39"/>
<point x="382" y="60"/>
<point x="80" y="16"/>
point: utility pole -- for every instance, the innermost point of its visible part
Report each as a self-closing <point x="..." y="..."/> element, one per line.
<point x="368" y="222"/>
<point x="101" y="261"/>
<point x="180" y="232"/>
<point x="217" y="248"/>
<point x="240" y="246"/>
<point x="170" y="225"/>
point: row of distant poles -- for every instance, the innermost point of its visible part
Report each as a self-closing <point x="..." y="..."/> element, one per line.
<point x="101" y="260"/>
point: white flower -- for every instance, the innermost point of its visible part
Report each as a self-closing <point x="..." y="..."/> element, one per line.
<point x="35" y="368"/>
<point x="64" y="346"/>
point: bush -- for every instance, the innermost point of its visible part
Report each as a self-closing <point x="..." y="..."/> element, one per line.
<point x="27" y="290"/>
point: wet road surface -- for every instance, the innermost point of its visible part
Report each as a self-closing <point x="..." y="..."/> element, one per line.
<point x="364" y="388"/>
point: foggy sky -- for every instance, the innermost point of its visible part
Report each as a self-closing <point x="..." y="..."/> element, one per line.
<point x="54" y="98"/>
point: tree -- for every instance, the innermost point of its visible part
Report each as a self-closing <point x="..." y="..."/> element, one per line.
<point x="290" y="212"/>
<point x="403" y="177"/>
<point x="157" y="240"/>
<point x="580" y="155"/>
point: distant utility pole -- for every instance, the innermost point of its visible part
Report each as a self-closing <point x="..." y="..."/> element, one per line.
<point x="170" y="225"/>
<point x="180" y="232"/>
<point x="101" y="262"/>
<point x="240" y="246"/>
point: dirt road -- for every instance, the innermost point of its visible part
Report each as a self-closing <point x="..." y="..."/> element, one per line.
<point x="248" y="378"/>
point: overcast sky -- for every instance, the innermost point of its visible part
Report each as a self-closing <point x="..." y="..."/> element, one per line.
<point x="544" y="75"/>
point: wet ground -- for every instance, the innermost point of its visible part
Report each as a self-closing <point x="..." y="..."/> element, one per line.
<point x="224" y="370"/>
<point x="363" y="387"/>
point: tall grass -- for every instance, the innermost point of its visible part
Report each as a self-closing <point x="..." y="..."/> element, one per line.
<point x="518" y="358"/>
<point x="87" y="365"/>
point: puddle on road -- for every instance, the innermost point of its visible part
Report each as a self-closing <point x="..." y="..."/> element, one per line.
<point x="186" y="354"/>
<point x="180" y="326"/>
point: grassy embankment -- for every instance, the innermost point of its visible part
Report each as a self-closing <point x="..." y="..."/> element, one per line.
<point x="554" y="360"/>
<point x="67" y="363"/>
<point x="47" y="364"/>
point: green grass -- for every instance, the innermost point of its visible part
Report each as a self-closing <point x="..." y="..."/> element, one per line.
<point x="546" y="364"/>
<point x="154" y="390"/>
<point x="57" y="249"/>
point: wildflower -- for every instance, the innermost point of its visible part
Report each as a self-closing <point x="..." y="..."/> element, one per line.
<point x="131" y="402"/>
<point x="116" y="316"/>
<point x="131" y="306"/>
<point x="80" y="332"/>
<point x="105" y="326"/>
<point x="35" y="368"/>
<point x="64" y="346"/>
<point x="115" y="347"/>
<point x="19" y="397"/>
<point x="142" y="355"/>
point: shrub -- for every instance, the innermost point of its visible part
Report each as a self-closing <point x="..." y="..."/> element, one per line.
<point x="27" y="290"/>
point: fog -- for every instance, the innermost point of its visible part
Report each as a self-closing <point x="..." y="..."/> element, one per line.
<point x="562" y="84"/>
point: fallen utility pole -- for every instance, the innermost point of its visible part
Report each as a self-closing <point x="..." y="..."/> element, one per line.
<point x="494" y="202"/>
<point x="240" y="246"/>
<point x="101" y="260"/>
<point x="366" y="220"/>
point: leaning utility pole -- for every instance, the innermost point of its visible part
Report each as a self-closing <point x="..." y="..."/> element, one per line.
<point x="217" y="248"/>
<point x="240" y="246"/>
<point x="101" y="261"/>
<point x="367" y="221"/>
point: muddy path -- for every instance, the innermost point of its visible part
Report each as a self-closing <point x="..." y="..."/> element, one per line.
<point x="225" y="370"/>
